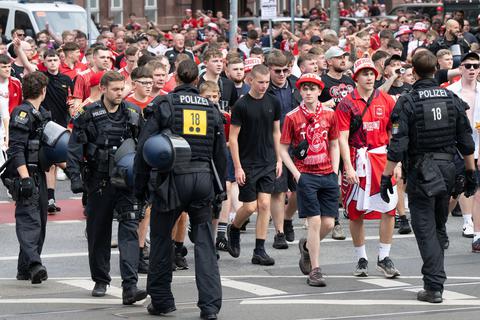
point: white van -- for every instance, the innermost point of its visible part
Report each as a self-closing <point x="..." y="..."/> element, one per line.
<point x="32" y="17"/>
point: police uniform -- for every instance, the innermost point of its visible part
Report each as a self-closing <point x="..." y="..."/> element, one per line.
<point x="97" y="135"/>
<point x="196" y="120"/>
<point x="26" y="125"/>
<point x="429" y="124"/>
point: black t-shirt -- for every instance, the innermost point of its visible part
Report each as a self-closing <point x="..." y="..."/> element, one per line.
<point x="379" y="83"/>
<point x="256" y="118"/>
<point x="56" y="98"/>
<point x="228" y="93"/>
<point x="400" y="90"/>
<point x="336" y="88"/>
<point x="441" y="76"/>
<point x="17" y="71"/>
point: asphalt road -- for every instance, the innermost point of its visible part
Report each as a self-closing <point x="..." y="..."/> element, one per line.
<point x="250" y="292"/>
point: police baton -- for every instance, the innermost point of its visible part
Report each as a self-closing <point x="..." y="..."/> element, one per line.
<point x="217" y="178"/>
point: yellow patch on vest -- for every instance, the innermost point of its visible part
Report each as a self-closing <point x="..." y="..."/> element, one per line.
<point x="195" y="122"/>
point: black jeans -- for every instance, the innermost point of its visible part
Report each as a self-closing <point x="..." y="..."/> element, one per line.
<point x="429" y="216"/>
<point x="102" y="200"/>
<point x="31" y="222"/>
<point x="195" y="192"/>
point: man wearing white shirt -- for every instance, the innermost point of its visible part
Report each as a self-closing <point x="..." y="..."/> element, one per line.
<point x="468" y="88"/>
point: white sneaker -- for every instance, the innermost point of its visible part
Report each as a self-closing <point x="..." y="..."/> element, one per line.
<point x="61" y="176"/>
<point x="468" y="230"/>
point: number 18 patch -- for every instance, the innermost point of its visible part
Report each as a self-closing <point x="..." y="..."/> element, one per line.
<point x="435" y="115"/>
<point x="195" y="122"/>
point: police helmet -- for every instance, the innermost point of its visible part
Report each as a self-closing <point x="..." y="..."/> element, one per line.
<point x="54" y="147"/>
<point x="122" y="174"/>
<point x="165" y="150"/>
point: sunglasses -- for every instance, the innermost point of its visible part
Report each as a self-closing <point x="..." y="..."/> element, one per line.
<point x="20" y="34"/>
<point x="278" y="71"/>
<point x="383" y="25"/>
<point x="403" y="21"/>
<point x="471" y="65"/>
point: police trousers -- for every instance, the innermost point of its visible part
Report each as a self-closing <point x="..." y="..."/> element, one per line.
<point x="429" y="216"/>
<point x="30" y="224"/>
<point x="196" y="196"/>
<point x="103" y="199"/>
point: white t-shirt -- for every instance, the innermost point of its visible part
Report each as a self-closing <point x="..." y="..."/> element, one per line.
<point x="158" y="50"/>
<point x="4" y="114"/>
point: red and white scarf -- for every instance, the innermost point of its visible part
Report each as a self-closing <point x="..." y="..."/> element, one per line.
<point x="315" y="134"/>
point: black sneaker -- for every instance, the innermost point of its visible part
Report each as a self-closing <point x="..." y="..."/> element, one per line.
<point x="160" y="311"/>
<point x="221" y="244"/>
<point x="457" y="211"/>
<point x="262" y="258"/>
<point x="404" y="227"/>
<point x="430" y="296"/>
<point x="476" y="246"/>
<point x="23" y="276"/>
<point x="244" y="225"/>
<point x="361" y="269"/>
<point x="208" y="316"/>
<point x="132" y="295"/>
<point x="38" y="273"/>
<point x="289" y="232"/>
<point x="304" y="262"/>
<point x="52" y="207"/>
<point x="387" y="267"/>
<point x="279" y="241"/>
<point x="180" y="261"/>
<point x="316" y="279"/>
<point x="233" y="241"/>
<point x="99" y="290"/>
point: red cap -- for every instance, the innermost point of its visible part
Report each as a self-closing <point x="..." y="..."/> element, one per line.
<point x="250" y="63"/>
<point x="312" y="78"/>
<point x="364" y="63"/>
<point x="439" y="8"/>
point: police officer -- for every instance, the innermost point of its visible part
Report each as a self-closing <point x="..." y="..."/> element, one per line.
<point x="188" y="115"/>
<point x="429" y="124"/>
<point x="100" y="131"/>
<point x="25" y="177"/>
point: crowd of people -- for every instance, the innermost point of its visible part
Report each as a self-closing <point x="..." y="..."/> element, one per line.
<point x="307" y="126"/>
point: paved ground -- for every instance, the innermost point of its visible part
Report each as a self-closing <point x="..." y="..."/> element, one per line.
<point x="250" y="292"/>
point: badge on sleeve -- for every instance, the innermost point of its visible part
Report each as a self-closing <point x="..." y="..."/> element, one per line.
<point x="195" y="122"/>
<point x="21" y="118"/>
<point x="395" y="127"/>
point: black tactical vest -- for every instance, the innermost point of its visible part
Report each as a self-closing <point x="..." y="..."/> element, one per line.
<point x="435" y="125"/>
<point x="194" y="120"/>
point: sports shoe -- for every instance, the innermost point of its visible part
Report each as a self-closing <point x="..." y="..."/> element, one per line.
<point x="429" y="296"/>
<point x="208" y="316"/>
<point x="476" y="246"/>
<point x="38" y="273"/>
<point x="262" y="258"/>
<point x="279" y="241"/>
<point x="468" y="230"/>
<point x="181" y="261"/>
<point x="23" y="275"/>
<point x="404" y="226"/>
<point x="304" y="262"/>
<point x="99" y="290"/>
<point x="61" y="176"/>
<point x="221" y="244"/>
<point x="233" y="241"/>
<point x="338" y="233"/>
<point x="457" y="211"/>
<point x="387" y="267"/>
<point x="362" y="268"/>
<point x="160" y="312"/>
<point x="316" y="279"/>
<point x="52" y="207"/>
<point x="289" y="231"/>
<point x="132" y="295"/>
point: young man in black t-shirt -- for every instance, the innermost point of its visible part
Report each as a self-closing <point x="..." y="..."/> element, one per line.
<point x="255" y="146"/>
<point x="393" y="71"/>
<point x="337" y="85"/>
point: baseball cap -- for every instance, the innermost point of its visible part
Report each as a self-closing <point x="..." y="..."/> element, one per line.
<point x="403" y="30"/>
<point x="312" y="78"/>
<point x="394" y="57"/>
<point x="315" y="39"/>
<point x="152" y="33"/>
<point x="420" y="26"/>
<point x="364" y="63"/>
<point x="141" y="37"/>
<point x="334" y="52"/>
<point x="250" y="63"/>
<point x="470" y="55"/>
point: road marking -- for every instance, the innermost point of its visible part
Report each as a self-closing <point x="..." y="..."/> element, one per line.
<point x="395" y="236"/>
<point x="255" y="289"/>
<point x="343" y="302"/>
<point x="67" y="221"/>
<point x="386" y="283"/>
<point x="75" y="198"/>
<point x="3" y="201"/>
<point x="450" y="295"/>
<point x="61" y="301"/>
<point x="55" y="255"/>
<point x="88" y="285"/>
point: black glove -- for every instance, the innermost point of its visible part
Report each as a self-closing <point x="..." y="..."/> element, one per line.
<point x="470" y="183"/>
<point x="77" y="185"/>
<point x="459" y="186"/>
<point x="385" y="187"/>
<point x="26" y="187"/>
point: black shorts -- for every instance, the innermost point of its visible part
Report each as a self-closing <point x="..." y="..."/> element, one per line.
<point x="317" y="195"/>
<point x="285" y="182"/>
<point x="258" y="179"/>
<point x="230" y="167"/>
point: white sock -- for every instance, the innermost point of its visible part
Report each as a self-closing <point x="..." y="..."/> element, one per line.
<point x="467" y="218"/>
<point x="383" y="250"/>
<point x="476" y="236"/>
<point x="360" y="252"/>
